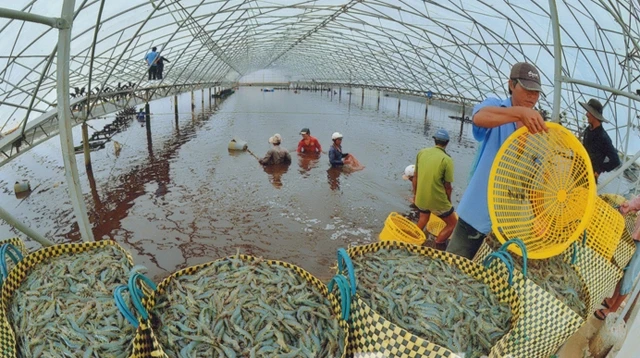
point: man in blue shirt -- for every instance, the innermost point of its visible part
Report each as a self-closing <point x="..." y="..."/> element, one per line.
<point x="152" y="58"/>
<point x="335" y="151"/>
<point x="494" y="120"/>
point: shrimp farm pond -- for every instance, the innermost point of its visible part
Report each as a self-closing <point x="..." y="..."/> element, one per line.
<point x="175" y="196"/>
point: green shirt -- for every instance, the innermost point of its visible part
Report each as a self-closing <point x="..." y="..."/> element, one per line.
<point x="434" y="167"/>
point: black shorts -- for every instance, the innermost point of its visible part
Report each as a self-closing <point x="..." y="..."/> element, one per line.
<point x="441" y="215"/>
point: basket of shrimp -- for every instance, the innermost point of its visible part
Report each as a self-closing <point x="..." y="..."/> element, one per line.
<point x="247" y="307"/>
<point x="580" y="278"/>
<point x="58" y="302"/>
<point x="411" y="301"/>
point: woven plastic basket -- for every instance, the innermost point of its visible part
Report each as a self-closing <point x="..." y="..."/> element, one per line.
<point x="541" y="190"/>
<point x="605" y="229"/>
<point x="398" y="228"/>
<point x="435" y="224"/>
<point x="626" y="248"/>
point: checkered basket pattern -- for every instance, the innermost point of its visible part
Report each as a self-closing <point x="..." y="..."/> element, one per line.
<point x="150" y="348"/>
<point x="20" y="272"/>
<point x="540" y="323"/>
<point x="599" y="276"/>
<point x="626" y="247"/>
<point x="7" y="339"/>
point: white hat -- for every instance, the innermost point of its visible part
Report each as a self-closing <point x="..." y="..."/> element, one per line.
<point x="276" y="139"/>
<point x="409" y="171"/>
<point x="336" y="135"/>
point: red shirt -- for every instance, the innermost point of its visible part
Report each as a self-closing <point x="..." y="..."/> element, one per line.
<point x="312" y="147"/>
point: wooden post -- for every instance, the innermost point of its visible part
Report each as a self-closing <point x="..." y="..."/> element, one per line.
<point x="209" y="97"/>
<point x="350" y="93"/>
<point x="193" y="104"/>
<point x="378" y="105"/>
<point x="85" y="145"/>
<point x="331" y="93"/>
<point x="398" y="105"/>
<point x="175" y="108"/>
<point x="339" y="94"/>
<point x="426" y="109"/>
<point x="148" y="114"/>
<point x="462" y="120"/>
<point x="362" y="102"/>
<point x="202" y="93"/>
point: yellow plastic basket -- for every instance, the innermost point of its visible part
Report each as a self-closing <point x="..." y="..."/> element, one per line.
<point x="605" y="229"/>
<point x="398" y="228"/>
<point x="435" y="224"/>
<point x="541" y="190"/>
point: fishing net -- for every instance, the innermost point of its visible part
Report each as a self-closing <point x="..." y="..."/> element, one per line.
<point x="236" y="305"/>
<point x="539" y="322"/>
<point x="58" y="301"/>
<point x="352" y="164"/>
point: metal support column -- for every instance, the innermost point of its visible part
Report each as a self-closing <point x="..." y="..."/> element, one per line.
<point x="557" y="55"/>
<point x="362" y="101"/>
<point x="64" y="121"/>
<point x="339" y="94"/>
<point x="209" y="97"/>
<point x="378" y="103"/>
<point x="202" y="101"/>
<point x="6" y="216"/>
<point x="147" y="110"/>
<point x="350" y="93"/>
<point x="193" y="105"/>
<point x="398" y="106"/>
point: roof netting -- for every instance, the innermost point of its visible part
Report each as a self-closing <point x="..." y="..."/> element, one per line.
<point x="455" y="49"/>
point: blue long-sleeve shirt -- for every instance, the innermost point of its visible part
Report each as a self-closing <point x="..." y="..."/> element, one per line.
<point x="336" y="155"/>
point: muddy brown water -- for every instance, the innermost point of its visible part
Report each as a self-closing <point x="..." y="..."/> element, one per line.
<point x="176" y="197"/>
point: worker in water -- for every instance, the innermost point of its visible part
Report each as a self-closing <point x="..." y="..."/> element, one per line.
<point x="152" y="58"/>
<point x="335" y="152"/>
<point x="308" y="144"/>
<point x="140" y="116"/>
<point x="277" y="154"/>
<point x="494" y="120"/>
<point x="603" y="155"/>
<point x="432" y="185"/>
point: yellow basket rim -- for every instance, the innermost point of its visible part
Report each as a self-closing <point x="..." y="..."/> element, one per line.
<point x="591" y="199"/>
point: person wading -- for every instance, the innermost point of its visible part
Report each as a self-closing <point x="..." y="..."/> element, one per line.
<point x="308" y="144"/>
<point x="432" y="185"/>
<point x="277" y="154"/>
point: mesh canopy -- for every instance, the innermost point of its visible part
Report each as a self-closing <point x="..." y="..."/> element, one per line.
<point x="455" y="49"/>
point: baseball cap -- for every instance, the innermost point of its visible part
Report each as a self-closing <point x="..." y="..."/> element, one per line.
<point x="441" y="134"/>
<point x="527" y="76"/>
<point x="336" y="135"/>
<point x="305" y="131"/>
<point x="276" y="139"/>
<point x="409" y="171"/>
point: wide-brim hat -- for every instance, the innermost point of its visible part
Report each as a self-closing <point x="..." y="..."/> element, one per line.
<point x="595" y="108"/>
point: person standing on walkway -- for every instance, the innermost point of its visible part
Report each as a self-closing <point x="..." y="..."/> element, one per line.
<point x="152" y="58"/>
<point x="494" y="120"/>
<point x="308" y="144"/>
<point x="432" y="188"/>
<point x="603" y="155"/>
<point x="160" y="65"/>
<point x="277" y="154"/>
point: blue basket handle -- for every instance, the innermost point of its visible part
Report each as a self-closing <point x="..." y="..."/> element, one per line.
<point x="523" y="249"/>
<point x="345" y="295"/>
<point x="122" y="306"/>
<point x="137" y="294"/>
<point x="345" y="260"/>
<point x="5" y="250"/>
<point x="505" y="258"/>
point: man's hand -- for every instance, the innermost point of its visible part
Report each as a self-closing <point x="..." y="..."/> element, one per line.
<point x="532" y="119"/>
